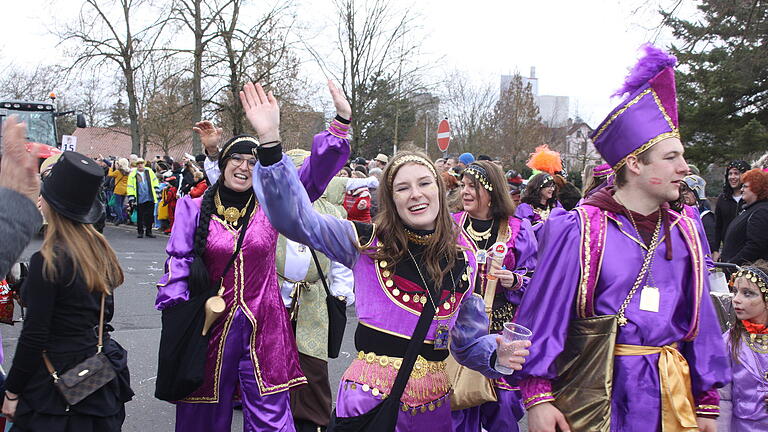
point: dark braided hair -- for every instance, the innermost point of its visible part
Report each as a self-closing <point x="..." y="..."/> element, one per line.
<point x="199" y="279"/>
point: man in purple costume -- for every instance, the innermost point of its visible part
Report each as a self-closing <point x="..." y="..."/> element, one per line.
<point x="251" y="347"/>
<point x="624" y="253"/>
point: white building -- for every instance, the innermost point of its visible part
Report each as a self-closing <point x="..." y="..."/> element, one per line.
<point x="554" y="110"/>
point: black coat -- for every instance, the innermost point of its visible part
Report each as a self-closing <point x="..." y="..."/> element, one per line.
<point x="746" y="240"/>
<point x="61" y="319"/>
<point x="726" y="210"/>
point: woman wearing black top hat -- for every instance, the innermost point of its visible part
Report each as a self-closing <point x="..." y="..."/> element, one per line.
<point x="67" y="278"/>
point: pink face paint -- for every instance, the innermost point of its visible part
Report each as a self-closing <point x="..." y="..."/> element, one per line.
<point x="655" y="181"/>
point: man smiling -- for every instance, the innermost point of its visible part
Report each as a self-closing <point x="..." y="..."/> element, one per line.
<point x="624" y="269"/>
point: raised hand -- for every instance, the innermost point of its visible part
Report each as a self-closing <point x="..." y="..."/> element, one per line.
<point x="343" y="109"/>
<point x="18" y="170"/>
<point x="262" y="112"/>
<point x="210" y="135"/>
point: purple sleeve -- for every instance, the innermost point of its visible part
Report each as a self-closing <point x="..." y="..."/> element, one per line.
<point x="552" y="288"/>
<point x="707" y="355"/>
<point x="471" y="345"/>
<point x="696" y="216"/>
<point x="286" y="204"/>
<point x="526" y="247"/>
<point x="172" y="287"/>
<point x="329" y="154"/>
<point x="524" y="211"/>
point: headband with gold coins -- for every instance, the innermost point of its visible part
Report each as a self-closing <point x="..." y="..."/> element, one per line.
<point x="757" y="276"/>
<point x="406" y="159"/>
<point x="480" y="174"/>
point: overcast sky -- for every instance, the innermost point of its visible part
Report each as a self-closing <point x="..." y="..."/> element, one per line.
<point x="580" y="48"/>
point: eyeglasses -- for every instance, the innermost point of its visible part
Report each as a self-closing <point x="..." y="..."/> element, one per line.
<point x="238" y="160"/>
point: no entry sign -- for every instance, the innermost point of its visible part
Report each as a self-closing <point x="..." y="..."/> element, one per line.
<point x="443" y="135"/>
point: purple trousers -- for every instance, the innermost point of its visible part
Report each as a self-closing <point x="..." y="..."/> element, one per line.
<point x="501" y="416"/>
<point x="355" y="402"/>
<point x="260" y="413"/>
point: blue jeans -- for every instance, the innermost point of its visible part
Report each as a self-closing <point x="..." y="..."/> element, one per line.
<point x="119" y="210"/>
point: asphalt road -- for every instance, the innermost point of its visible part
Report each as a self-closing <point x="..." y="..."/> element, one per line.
<point x="137" y="328"/>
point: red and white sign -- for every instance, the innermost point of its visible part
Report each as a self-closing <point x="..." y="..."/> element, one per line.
<point x="499" y="249"/>
<point x="443" y="135"/>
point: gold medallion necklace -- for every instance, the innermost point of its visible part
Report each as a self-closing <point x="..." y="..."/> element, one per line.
<point x="479" y="236"/>
<point x="230" y="214"/>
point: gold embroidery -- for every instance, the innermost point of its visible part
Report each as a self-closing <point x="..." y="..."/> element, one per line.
<point x="653" y="141"/>
<point x="618" y="113"/>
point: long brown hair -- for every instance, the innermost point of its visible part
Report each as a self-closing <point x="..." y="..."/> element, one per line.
<point x="502" y="206"/>
<point x="738" y="328"/>
<point x="393" y="239"/>
<point x="88" y="251"/>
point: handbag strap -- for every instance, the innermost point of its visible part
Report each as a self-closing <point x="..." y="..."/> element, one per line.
<point x="99" y="346"/>
<point x="502" y="236"/>
<point x="320" y="272"/>
<point x="412" y="352"/>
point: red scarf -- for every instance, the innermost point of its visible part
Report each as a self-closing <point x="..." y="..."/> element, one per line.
<point x="755" y="328"/>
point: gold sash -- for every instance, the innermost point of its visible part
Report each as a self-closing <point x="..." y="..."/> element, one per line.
<point x="677" y="405"/>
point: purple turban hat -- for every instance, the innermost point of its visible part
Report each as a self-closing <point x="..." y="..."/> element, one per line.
<point x="645" y="117"/>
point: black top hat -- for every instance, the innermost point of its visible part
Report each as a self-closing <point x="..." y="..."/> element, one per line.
<point x="72" y="187"/>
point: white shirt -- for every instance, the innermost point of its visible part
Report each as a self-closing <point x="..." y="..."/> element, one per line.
<point x="297" y="261"/>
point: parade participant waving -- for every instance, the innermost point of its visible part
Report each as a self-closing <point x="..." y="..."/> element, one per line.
<point x="251" y="346"/>
<point x="747" y="341"/>
<point x="412" y="263"/>
<point x="488" y="219"/>
<point x="622" y="279"/>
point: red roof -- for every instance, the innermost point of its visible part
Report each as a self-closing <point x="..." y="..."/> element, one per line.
<point x="95" y="141"/>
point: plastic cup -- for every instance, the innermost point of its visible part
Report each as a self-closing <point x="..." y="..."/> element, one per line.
<point x="512" y="332"/>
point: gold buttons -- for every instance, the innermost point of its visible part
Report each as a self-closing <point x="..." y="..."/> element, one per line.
<point x="383" y="264"/>
<point x="389" y="283"/>
<point x="395" y="292"/>
<point x="386" y="273"/>
<point x="406" y="298"/>
<point x="423" y="300"/>
<point x="446" y="305"/>
<point x="366" y="387"/>
<point x="375" y="392"/>
<point x="415" y="298"/>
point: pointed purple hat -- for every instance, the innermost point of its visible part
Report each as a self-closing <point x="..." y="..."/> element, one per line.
<point x="645" y="117"/>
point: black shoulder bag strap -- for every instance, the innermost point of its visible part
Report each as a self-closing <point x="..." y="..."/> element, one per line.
<point x="337" y="313"/>
<point x="383" y="417"/>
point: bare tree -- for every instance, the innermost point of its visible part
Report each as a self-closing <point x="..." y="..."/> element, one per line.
<point x="378" y="47"/>
<point x="99" y="38"/>
<point x="33" y="84"/>
<point x="201" y="18"/>
<point x="469" y="109"/>
<point x="260" y="52"/>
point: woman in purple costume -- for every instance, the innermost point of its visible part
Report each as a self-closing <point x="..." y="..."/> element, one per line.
<point x="413" y="254"/>
<point x="747" y="342"/>
<point x="538" y="200"/>
<point x="251" y="346"/>
<point x="488" y="217"/>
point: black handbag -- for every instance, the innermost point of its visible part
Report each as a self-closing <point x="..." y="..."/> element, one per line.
<point x="337" y="314"/>
<point x="86" y="377"/>
<point x="383" y="417"/>
<point x="183" y="347"/>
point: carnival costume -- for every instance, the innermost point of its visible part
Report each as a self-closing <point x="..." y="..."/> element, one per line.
<point x="389" y="298"/>
<point x="593" y="260"/>
<point x="251" y="344"/>
<point x="747" y="395"/>
<point x="520" y="258"/>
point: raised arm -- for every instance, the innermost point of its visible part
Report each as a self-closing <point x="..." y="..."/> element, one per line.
<point x="330" y="148"/>
<point x="288" y="208"/>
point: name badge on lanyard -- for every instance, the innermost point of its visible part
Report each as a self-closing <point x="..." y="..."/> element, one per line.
<point x="650" y="299"/>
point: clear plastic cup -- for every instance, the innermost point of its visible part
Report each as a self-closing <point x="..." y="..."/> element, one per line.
<point x="512" y="332"/>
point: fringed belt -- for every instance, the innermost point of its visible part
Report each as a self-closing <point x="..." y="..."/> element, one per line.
<point x="426" y="387"/>
<point x="677" y="406"/>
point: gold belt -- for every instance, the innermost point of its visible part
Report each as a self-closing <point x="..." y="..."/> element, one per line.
<point x="422" y="368"/>
<point x="426" y="387"/>
<point x="677" y="405"/>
